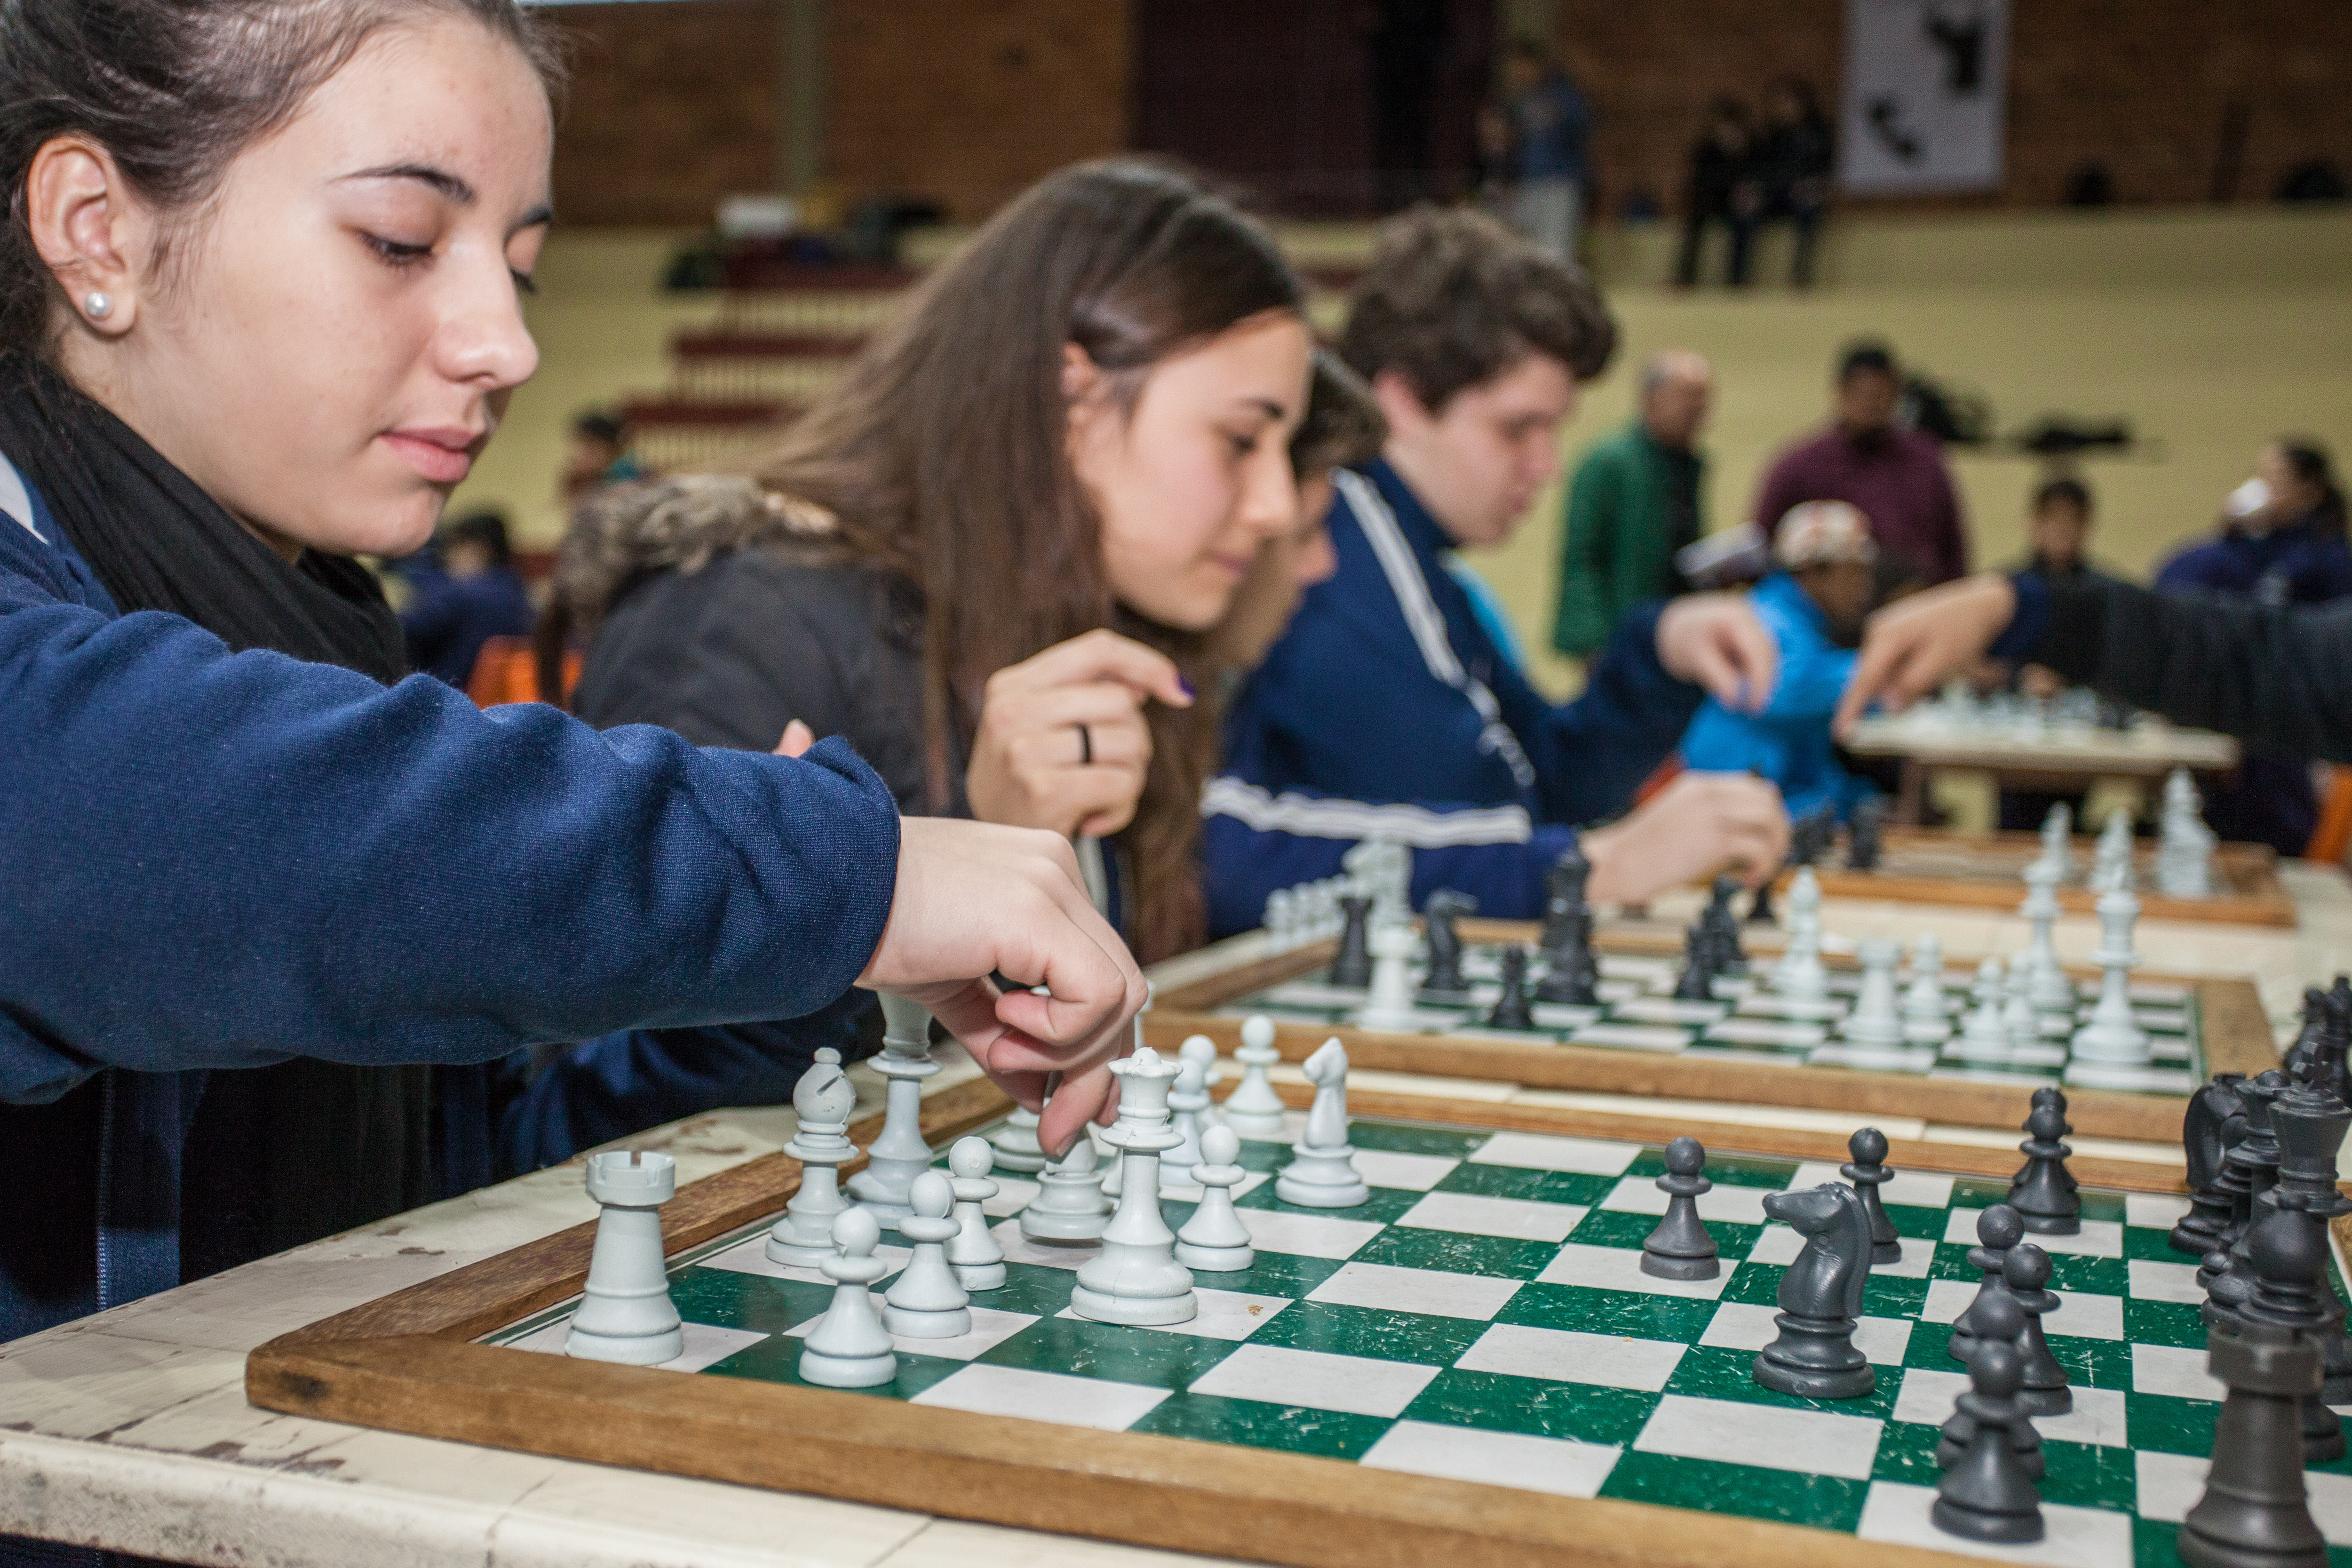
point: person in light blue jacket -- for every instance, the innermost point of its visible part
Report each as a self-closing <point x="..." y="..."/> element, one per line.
<point x="1823" y="584"/>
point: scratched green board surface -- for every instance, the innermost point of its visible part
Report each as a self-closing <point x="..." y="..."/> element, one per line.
<point x="1482" y="1317"/>
<point x="1747" y="1021"/>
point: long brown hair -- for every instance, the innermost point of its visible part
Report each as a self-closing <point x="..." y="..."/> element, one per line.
<point x="943" y="451"/>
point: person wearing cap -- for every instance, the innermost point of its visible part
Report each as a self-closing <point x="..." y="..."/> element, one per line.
<point x="1823" y="583"/>
<point x="1868" y="458"/>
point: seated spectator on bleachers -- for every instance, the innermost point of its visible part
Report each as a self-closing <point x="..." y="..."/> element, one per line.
<point x="2283" y="543"/>
<point x="1720" y="163"/>
<point x="1824" y="583"/>
<point x="1895" y="475"/>
<point x="460" y="601"/>
<point x="1787" y="179"/>
<point x="598" y="454"/>
<point x="1638" y="497"/>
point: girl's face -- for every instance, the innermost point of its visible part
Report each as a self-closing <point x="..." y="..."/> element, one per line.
<point x="335" y="340"/>
<point x="1191" y="481"/>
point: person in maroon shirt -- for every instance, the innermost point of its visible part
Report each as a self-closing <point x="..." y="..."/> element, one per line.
<point x="1897" y="476"/>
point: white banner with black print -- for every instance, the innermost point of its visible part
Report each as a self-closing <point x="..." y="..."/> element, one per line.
<point x="1926" y="87"/>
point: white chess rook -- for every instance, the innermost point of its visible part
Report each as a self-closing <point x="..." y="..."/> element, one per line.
<point x="899" y="1154"/>
<point x="1322" y="1170"/>
<point x="823" y="1099"/>
<point x="927" y="1301"/>
<point x="1134" y="1279"/>
<point x="1214" y="1240"/>
<point x="1254" y="1109"/>
<point x="849" y="1348"/>
<point x="625" y="1313"/>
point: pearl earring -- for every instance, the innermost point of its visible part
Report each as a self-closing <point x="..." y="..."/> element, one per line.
<point x="99" y="306"/>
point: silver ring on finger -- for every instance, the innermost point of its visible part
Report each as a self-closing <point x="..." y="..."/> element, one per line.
<point x="1086" y="746"/>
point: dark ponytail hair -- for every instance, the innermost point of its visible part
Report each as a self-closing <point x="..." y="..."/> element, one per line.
<point x="2313" y="466"/>
<point x="175" y="89"/>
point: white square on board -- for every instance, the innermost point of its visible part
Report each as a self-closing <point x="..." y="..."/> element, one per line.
<point x="1536" y="1151"/>
<point x="1019" y="1248"/>
<point x="750" y="1257"/>
<point x="1810" y="1442"/>
<point x="2153" y="1211"/>
<point x="2097" y="1416"/>
<point x="1555" y="1464"/>
<point x="2154" y="1281"/>
<point x="1620" y="1269"/>
<point x="1386" y="1288"/>
<point x="1412" y="1173"/>
<point x="2099" y="1237"/>
<point x="1898" y="1515"/>
<point x="1749" y="1326"/>
<point x="2169" y="1369"/>
<point x="1562" y="1355"/>
<point x="1307" y="1235"/>
<point x="1920" y="1189"/>
<point x="1737" y="1205"/>
<point x="1275" y="1375"/>
<point x="706" y="1346"/>
<point x="1475" y="1213"/>
<point x="2169" y="1485"/>
<point x="1053" y="1396"/>
<point x="989" y="1329"/>
<point x="1779" y="1244"/>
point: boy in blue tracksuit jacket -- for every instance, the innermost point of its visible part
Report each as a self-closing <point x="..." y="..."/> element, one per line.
<point x="1815" y="599"/>
<point x="1386" y="710"/>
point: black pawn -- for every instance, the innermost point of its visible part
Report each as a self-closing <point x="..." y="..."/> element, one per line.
<point x="1868" y="1172"/>
<point x="1444" y="981"/>
<point x="1723" y="927"/>
<point x="1564" y="901"/>
<point x="1999" y="1229"/>
<point x="1697" y="982"/>
<point x="2214" y="1120"/>
<point x="2044" y="1192"/>
<point x="1354" y="964"/>
<point x="2025" y="1273"/>
<point x="2003" y="1320"/>
<point x="1574" y="976"/>
<point x="1680" y="1247"/>
<point x="1511" y="1009"/>
<point x="1863" y="835"/>
<point x="1986" y="1495"/>
<point x="1759" y="905"/>
<point x="2255" y="1512"/>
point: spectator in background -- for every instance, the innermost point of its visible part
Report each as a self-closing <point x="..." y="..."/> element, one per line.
<point x="598" y="454"/>
<point x="1719" y="163"/>
<point x="1824" y="581"/>
<point x="1897" y="476"/>
<point x="2283" y="544"/>
<point x="1637" y="497"/>
<point x="2057" y="529"/>
<point x="1789" y="178"/>
<point x="469" y="596"/>
<point x="1545" y="126"/>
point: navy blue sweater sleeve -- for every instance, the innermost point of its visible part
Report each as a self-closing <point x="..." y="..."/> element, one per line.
<point x="225" y="861"/>
<point x="1591" y="754"/>
<point x="1254" y="841"/>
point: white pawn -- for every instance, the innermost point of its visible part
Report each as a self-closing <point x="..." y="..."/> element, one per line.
<point x="1875" y="1021"/>
<point x="978" y="1259"/>
<point x="1322" y="1170"/>
<point x="1070" y="1205"/>
<point x="1800" y="973"/>
<point x="824" y="1099"/>
<point x="1134" y="1279"/>
<point x="1202" y="1049"/>
<point x="849" y="1348"/>
<point x="927" y="1301"/>
<point x="1187" y="1101"/>
<point x="1389" y="1003"/>
<point x="1015" y="1144"/>
<point x="2018" y="1018"/>
<point x="625" y="1313"/>
<point x="1984" y="1037"/>
<point x="1214" y="1240"/>
<point x="1924" y="1007"/>
<point x="1254" y="1109"/>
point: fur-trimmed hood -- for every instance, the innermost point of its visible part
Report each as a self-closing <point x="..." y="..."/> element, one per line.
<point x="627" y="533"/>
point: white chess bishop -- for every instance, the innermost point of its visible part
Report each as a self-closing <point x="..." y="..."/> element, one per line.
<point x="823" y="1099"/>
<point x="1134" y="1279"/>
<point x="1322" y="1170"/>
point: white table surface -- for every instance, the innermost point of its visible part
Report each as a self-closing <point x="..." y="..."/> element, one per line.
<point x="130" y="1429"/>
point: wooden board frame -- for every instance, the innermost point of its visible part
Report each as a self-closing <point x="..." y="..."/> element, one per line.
<point x="2236" y="1036"/>
<point x="2249" y="867"/>
<point x="407" y="1363"/>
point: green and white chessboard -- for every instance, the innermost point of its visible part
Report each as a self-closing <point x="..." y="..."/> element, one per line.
<point x="1750" y="1023"/>
<point x="1483" y="1318"/>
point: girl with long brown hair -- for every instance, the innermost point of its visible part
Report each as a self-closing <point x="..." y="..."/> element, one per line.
<point x="988" y="556"/>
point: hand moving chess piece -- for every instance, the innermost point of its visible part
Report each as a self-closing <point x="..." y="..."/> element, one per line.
<point x="1134" y="1279"/>
<point x="823" y="1101"/>
<point x="1070" y="1205"/>
<point x="1986" y="1495"/>
<point x="1322" y="1170"/>
<point x="625" y="1314"/>
<point x="975" y="1254"/>
<point x="1815" y="1356"/>
<point x="1214" y="1240"/>
<point x="849" y="1348"/>
<point x="1680" y="1247"/>
<point x="1254" y="1109"/>
<point x="1868" y="1172"/>
<point x="927" y="1301"/>
<point x="898" y="1154"/>
<point x="1015" y="1142"/>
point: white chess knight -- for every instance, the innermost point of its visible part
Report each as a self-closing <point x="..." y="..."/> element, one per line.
<point x="1322" y="1170"/>
<point x="1134" y="1279"/>
<point x="2113" y="1037"/>
<point x="2184" y="854"/>
<point x="1254" y="1109"/>
<point x="1799" y="973"/>
<point x="625" y="1313"/>
<point x="1388" y="1005"/>
<point x="898" y="1154"/>
<point x="823" y="1099"/>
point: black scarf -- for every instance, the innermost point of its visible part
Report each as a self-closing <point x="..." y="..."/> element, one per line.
<point x="158" y="542"/>
<point x="278" y="1156"/>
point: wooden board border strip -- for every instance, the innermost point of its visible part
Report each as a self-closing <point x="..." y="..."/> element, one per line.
<point x="2236" y="1034"/>
<point x="2252" y="866"/>
<point x="406" y="1362"/>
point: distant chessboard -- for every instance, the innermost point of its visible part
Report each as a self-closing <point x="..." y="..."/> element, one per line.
<point x="1935" y="865"/>
<point x="1468" y="1367"/>
<point x="1747" y="1045"/>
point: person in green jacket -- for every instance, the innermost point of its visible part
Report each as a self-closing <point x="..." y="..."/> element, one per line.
<point x="1637" y="497"/>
